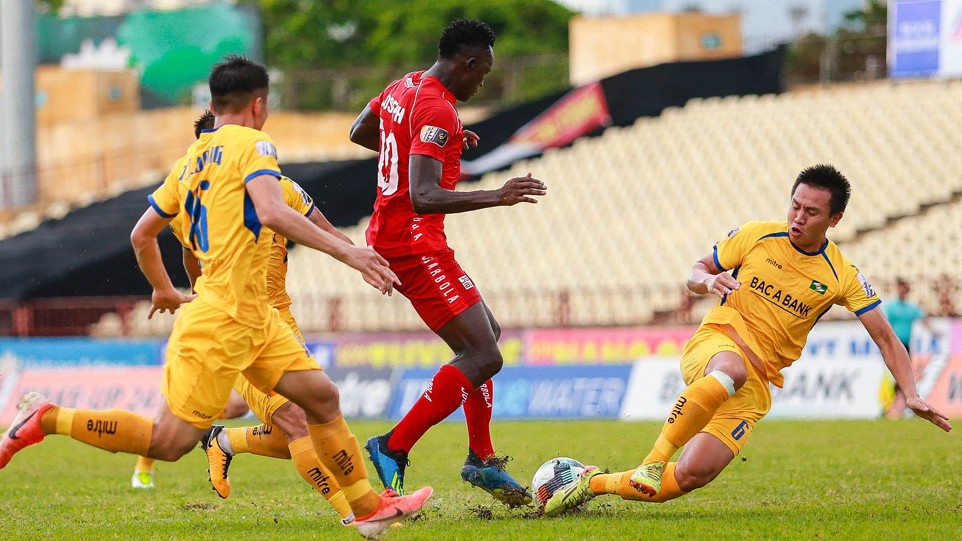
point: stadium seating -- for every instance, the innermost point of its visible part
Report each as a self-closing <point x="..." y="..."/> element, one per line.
<point x="628" y="212"/>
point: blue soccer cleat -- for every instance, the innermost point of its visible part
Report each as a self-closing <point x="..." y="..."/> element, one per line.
<point x="388" y="464"/>
<point x="491" y="477"/>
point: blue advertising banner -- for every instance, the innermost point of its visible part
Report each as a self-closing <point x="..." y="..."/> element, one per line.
<point x="365" y="392"/>
<point x="36" y="353"/>
<point x="536" y="392"/>
<point x="914" y="38"/>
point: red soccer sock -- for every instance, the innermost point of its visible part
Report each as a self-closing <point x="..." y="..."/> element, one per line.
<point x="477" y="413"/>
<point x="446" y="392"/>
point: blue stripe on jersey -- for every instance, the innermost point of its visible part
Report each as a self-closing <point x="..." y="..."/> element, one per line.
<point x="260" y="172"/>
<point x="714" y="254"/>
<point x="867" y="308"/>
<point x="250" y="216"/>
<point x="735" y="276"/>
<point x="829" y="263"/>
<point x="150" y="198"/>
<point x="310" y="210"/>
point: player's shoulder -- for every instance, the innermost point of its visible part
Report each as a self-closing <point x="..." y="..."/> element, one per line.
<point x="844" y="266"/>
<point x="758" y="230"/>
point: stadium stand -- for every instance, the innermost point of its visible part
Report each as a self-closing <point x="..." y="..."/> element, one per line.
<point x="627" y="213"/>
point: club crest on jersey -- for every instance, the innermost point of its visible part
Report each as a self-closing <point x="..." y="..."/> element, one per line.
<point x="265" y="148"/>
<point x="866" y="286"/>
<point x="434" y="134"/>
<point x="818" y="287"/>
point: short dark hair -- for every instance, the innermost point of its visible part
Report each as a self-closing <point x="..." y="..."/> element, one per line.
<point x="464" y="34"/>
<point x="234" y="81"/>
<point x="205" y="122"/>
<point x="826" y="177"/>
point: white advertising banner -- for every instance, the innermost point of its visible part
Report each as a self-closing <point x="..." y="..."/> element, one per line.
<point x="840" y="374"/>
<point x="950" y="50"/>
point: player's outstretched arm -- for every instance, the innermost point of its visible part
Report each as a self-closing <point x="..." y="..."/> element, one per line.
<point x="274" y="213"/>
<point x="144" y="240"/>
<point x="897" y="361"/>
<point x="428" y="197"/>
<point x="366" y="129"/>
<point x="317" y="218"/>
<point x="706" y="277"/>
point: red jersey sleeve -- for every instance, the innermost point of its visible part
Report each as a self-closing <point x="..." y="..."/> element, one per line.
<point x="434" y="126"/>
<point x="375" y="104"/>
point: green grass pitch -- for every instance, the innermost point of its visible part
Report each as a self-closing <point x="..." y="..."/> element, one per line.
<point x="796" y="480"/>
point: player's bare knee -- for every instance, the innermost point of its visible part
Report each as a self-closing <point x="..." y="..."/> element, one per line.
<point x="731" y="364"/>
<point x="291" y="420"/>
<point x="325" y="405"/>
<point x="491" y="361"/>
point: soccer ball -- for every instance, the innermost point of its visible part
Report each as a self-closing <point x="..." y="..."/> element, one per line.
<point x="554" y="475"/>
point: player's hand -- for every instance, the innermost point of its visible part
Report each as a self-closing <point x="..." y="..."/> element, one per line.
<point x="519" y="190"/>
<point x="721" y="284"/>
<point x="373" y="268"/>
<point x="470" y="139"/>
<point x="926" y="411"/>
<point x="167" y="301"/>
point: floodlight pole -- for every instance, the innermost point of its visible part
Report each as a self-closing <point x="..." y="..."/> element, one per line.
<point x="18" y="54"/>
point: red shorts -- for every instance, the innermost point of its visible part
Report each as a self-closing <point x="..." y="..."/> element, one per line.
<point x="436" y="286"/>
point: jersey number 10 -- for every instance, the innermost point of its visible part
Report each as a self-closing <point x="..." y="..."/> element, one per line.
<point x="387" y="163"/>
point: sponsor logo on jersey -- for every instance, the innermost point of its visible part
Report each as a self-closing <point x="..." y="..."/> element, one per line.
<point x="818" y="287"/>
<point x="265" y="148"/>
<point x="408" y="82"/>
<point x="866" y="286"/>
<point x="466" y="282"/>
<point x="774" y="295"/>
<point x="733" y="232"/>
<point x="434" y="134"/>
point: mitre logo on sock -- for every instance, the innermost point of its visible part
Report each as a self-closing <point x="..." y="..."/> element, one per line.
<point x="344" y="462"/>
<point x="102" y="427"/>
<point x="676" y="409"/>
<point x="319" y="479"/>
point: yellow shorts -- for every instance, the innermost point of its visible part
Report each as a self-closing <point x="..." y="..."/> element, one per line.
<point x="265" y="404"/>
<point x="208" y="351"/>
<point x="735" y="419"/>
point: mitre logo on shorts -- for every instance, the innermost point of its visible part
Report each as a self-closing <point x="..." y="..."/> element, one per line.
<point x="265" y="148"/>
<point x="466" y="282"/>
<point x="434" y="134"/>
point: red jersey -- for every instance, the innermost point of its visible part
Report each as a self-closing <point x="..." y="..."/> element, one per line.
<point x="418" y="116"/>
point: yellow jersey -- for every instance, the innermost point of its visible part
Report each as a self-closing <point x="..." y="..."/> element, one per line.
<point x="297" y="199"/>
<point x="207" y="185"/>
<point x="784" y="291"/>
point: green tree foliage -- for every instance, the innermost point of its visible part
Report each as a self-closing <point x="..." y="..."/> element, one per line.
<point x="347" y="33"/>
<point x="374" y="41"/>
<point x="49" y="6"/>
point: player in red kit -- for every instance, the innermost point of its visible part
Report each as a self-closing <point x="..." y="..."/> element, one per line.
<point x="415" y="128"/>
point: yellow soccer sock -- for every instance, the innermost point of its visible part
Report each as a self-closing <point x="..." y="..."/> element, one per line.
<point x="338" y="450"/>
<point x="617" y="483"/>
<point x="694" y="408"/>
<point x="263" y="440"/>
<point x="316" y="475"/>
<point x="144" y="464"/>
<point x="110" y="430"/>
<point x="238" y="439"/>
